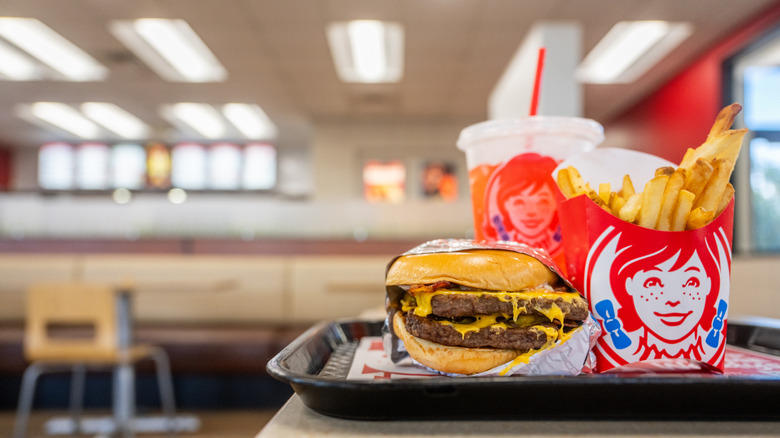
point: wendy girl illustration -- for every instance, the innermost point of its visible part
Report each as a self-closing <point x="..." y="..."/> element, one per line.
<point x="521" y="203"/>
<point x="660" y="298"/>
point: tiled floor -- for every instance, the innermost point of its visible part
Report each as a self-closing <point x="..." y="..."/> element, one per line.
<point x="223" y="424"/>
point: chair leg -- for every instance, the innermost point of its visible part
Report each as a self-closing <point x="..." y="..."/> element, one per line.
<point x="77" y="382"/>
<point x="123" y="399"/>
<point x="26" y="395"/>
<point x="165" y="385"/>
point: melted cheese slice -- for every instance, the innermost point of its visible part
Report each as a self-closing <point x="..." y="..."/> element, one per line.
<point x="553" y="313"/>
<point x="554" y="338"/>
<point x="422" y="307"/>
<point x="482" y="321"/>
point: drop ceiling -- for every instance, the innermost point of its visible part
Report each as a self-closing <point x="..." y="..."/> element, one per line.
<point x="277" y="56"/>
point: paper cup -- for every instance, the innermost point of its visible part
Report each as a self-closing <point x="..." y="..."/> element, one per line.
<point x="510" y="166"/>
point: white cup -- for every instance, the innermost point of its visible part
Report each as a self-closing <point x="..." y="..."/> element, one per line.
<point x="510" y="162"/>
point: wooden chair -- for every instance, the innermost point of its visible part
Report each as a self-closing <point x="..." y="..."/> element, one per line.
<point x="76" y="326"/>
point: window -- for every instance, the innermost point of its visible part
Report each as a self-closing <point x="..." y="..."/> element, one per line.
<point x="752" y="77"/>
<point x="765" y="194"/>
<point x="762" y="98"/>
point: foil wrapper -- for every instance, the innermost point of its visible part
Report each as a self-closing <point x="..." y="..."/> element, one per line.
<point x="570" y="358"/>
<point x="566" y="358"/>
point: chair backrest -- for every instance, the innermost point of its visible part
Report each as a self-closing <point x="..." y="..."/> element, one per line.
<point x="70" y="321"/>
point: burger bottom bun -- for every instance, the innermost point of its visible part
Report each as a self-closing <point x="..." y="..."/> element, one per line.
<point x="448" y="359"/>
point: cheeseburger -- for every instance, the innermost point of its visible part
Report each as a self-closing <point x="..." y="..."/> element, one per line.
<point x="471" y="310"/>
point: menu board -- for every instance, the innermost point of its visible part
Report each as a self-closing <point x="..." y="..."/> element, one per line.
<point x="55" y="166"/>
<point x="188" y="166"/>
<point x="128" y="166"/>
<point x="259" y="171"/>
<point x="92" y="166"/>
<point x="224" y="167"/>
<point x="158" y="166"/>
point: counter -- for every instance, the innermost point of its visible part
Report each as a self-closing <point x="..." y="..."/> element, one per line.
<point x="296" y="420"/>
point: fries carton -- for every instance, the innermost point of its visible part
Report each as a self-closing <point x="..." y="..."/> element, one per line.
<point x="660" y="297"/>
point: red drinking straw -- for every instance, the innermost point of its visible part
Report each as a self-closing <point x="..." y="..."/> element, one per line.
<point x="537" y="81"/>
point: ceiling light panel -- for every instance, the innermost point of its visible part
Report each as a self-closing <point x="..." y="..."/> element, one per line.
<point x="629" y="49"/>
<point x="171" y="48"/>
<point x="15" y="66"/>
<point x="250" y="120"/>
<point x="65" y="117"/>
<point x="199" y="117"/>
<point x="367" y="51"/>
<point x="116" y="119"/>
<point x="50" y="48"/>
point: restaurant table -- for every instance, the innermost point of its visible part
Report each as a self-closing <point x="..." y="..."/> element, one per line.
<point x="294" y="419"/>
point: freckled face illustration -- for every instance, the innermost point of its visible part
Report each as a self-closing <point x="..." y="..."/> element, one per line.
<point x="671" y="302"/>
<point x="521" y="202"/>
<point x="532" y="210"/>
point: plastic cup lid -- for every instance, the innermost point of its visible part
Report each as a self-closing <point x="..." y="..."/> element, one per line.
<point x="586" y="129"/>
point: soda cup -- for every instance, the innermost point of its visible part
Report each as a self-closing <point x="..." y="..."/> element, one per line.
<point x="513" y="191"/>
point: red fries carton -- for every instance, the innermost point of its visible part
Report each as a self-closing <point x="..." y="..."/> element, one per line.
<point x="661" y="298"/>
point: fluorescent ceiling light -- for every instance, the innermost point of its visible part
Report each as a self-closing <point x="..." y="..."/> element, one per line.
<point x="250" y="120"/>
<point x="15" y="66"/>
<point x="66" y="118"/>
<point x="200" y="117"/>
<point x="629" y="49"/>
<point x="367" y="42"/>
<point x="51" y="48"/>
<point x="171" y="48"/>
<point x="367" y="50"/>
<point x="115" y="119"/>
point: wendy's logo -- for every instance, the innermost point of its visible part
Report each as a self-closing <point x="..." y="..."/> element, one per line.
<point x="659" y="297"/>
<point x="521" y="203"/>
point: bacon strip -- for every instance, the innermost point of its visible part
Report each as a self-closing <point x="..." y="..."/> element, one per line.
<point x="427" y="288"/>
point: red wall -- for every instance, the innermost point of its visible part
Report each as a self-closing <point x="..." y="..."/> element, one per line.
<point x="5" y="169"/>
<point x="680" y="113"/>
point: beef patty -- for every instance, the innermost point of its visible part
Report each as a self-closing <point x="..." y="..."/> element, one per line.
<point x="512" y="338"/>
<point x="460" y="305"/>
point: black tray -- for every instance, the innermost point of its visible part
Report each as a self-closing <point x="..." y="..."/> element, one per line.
<point x="316" y="365"/>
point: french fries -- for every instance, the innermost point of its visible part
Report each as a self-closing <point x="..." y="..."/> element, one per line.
<point x="628" y="187"/>
<point x="685" y="198"/>
<point x="630" y="211"/>
<point x="682" y="211"/>
<point x="670" y="200"/>
<point x="571" y="183"/>
<point x="697" y="176"/>
<point x="651" y="201"/>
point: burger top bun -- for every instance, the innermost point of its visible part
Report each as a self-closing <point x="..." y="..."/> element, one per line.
<point x="482" y="269"/>
<point x="452" y="360"/>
